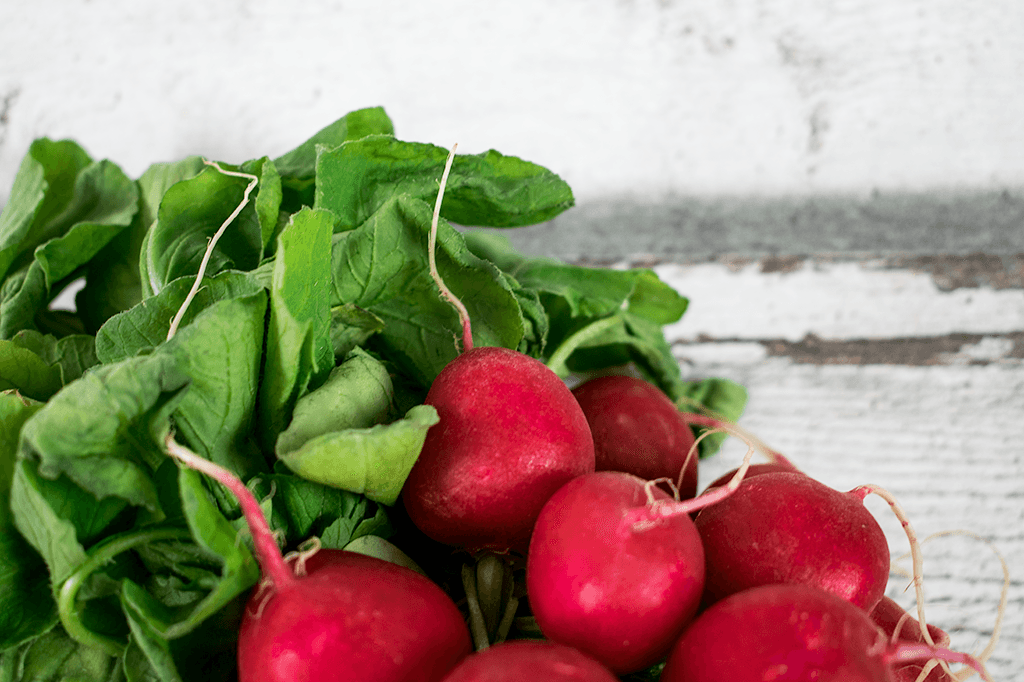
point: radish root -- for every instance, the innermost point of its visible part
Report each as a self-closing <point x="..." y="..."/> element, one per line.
<point x="446" y="294"/>
<point x="982" y="657"/>
<point x="253" y="180"/>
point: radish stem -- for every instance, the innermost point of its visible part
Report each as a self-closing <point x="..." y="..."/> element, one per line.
<point x="268" y="555"/>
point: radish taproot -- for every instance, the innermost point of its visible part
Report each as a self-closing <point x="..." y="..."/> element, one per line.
<point x="534" y="660"/>
<point x="510" y="434"/>
<point x="792" y="633"/>
<point x="900" y="626"/>
<point x="785" y="527"/>
<point x="616" y="567"/>
<point x="337" y="614"/>
<point x="639" y="430"/>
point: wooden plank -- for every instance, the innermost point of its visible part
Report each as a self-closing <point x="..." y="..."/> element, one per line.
<point x="942" y="429"/>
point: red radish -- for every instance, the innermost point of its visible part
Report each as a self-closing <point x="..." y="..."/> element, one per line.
<point x="895" y="622"/>
<point x="339" y="615"/>
<point x="786" y="527"/>
<point x="791" y="632"/>
<point x="754" y="470"/>
<point x="639" y="430"/>
<point x="533" y="660"/>
<point x="597" y="583"/>
<point x="510" y="434"/>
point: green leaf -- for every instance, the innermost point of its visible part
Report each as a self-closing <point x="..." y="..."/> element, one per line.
<point x="145" y="326"/>
<point x="217" y="536"/>
<point x="40" y="508"/>
<point x="220" y="353"/>
<point x="357" y="178"/>
<point x="66" y="358"/>
<point x="113" y="281"/>
<point x="149" y="655"/>
<point x="23" y="370"/>
<point x="351" y="326"/>
<point x="103" y="204"/>
<point x="299" y="351"/>
<point x="26" y="605"/>
<point x="724" y="398"/>
<point x="357" y="394"/>
<point x="55" y="657"/>
<point x="42" y="189"/>
<point x="382" y="267"/>
<point x="303" y="509"/>
<point x="374" y="461"/>
<point x="190" y="214"/>
<point x="300" y="164"/>
<point x="587" y="292"/>
<point x="105" y="431"/>
<point x="268" y="197"/>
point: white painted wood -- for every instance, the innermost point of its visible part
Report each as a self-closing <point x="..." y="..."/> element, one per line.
<point x="832" y="300"/>
<point x="947" y="440"/>
<point x="628" y="97"/>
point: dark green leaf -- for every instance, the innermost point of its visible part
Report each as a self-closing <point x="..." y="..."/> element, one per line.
<point x="26" y="605"/>
<point x="113" y="280"/>
<point x="300" y="163"/>
<point x="23" y="370"/>
<point x="382" y="267"/>
<point x="724" y="398"/>
<point x="190" y="214"/>
<point x="146" y="325"/>
<point x="55" y="657"/>
<point x="42" y="189"/>
<point x="220" y="353"/>
<point x="356" y="179"/>
<point x="103" y="204"/>
<point x="351" y="326"/>
<point x="299" y="351"/>
<point x="105" y="431"/>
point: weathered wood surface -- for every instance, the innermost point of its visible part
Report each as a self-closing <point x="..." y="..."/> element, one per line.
<point x="936" y="417"/>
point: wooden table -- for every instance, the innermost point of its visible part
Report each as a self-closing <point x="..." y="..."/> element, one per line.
<point x="907" y="373"/>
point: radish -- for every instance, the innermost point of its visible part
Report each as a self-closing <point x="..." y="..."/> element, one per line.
<point x="533" y="660"/>
<point x="615" y="568"/>
<point x="639" y="430"/>
<point x="895" y="622"/>
<point x="510" y="434"/>
<point x="754" y="470"/>
<point x="796" y="633"/>
<point x="337" y="615"/>
<point x="787" y="527"/>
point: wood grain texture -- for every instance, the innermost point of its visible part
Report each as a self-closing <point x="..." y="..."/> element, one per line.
<point x="946" y="437"/>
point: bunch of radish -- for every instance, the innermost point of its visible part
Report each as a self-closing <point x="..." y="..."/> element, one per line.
<point x="767" y="575"/>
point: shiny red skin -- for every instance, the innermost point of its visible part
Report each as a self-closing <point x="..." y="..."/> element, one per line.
<point x="510" y="434"/>
<point x="886" y="615"/>
<point x="637" y="429"/>
<point x="789" y="528"/>
<point x="791" y="633"/>
<point x="352" y="617"/>
<point x="532" y="660"/>
<point x="617" y="594"/>
<point x="753" y="470"/>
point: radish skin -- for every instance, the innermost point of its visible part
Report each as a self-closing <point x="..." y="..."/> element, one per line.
<point x="639" y="430"/>
<point x="532" y="660"/>
<point x="619" y="595"/>
<point x="795" y="633"/>
<point x="787" y="527"/>
<point x="338" y="614"/>
<point x="510" y="434"/>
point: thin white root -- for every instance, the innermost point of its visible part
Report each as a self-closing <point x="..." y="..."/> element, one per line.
<point x="1003" y="598"/>
<point x="446" y="293"/>
<point x="253" y="180"/>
